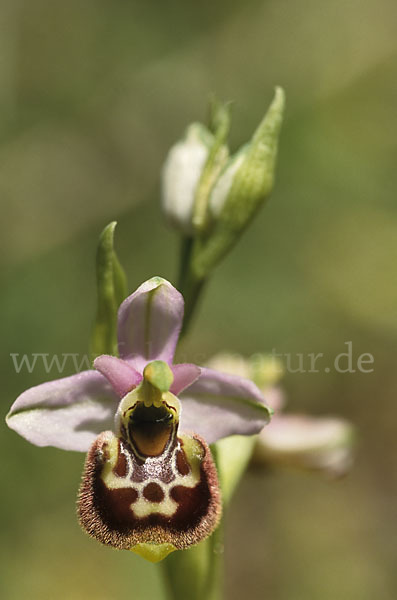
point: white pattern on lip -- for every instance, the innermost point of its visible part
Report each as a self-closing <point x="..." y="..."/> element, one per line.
<point x="143" y="507"/>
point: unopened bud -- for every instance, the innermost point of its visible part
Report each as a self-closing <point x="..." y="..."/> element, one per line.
<point x="242" y="186"/>
<point x="248" y="177"/>
<point x="181" y="174"/>
<point x="316" y="444"/>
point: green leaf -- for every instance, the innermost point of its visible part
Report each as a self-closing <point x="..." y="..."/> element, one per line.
<point x="111" y="290"/>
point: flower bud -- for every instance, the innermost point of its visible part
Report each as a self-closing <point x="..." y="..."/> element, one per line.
<point x="181" y="175"/>
<point x="309" y="443"/>
<point x="235" y="364"/>
<point x="248" y="177"/>
<point x="266" y="370"/>
<point x="243" y="184"/>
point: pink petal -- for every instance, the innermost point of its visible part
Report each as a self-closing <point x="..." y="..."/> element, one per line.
<point x="122" y="376"/>
<point x="218" y="405"/>
<point x="68" y="413"/>
<point x="184" y="375"/>
<point x="149" y="323"/>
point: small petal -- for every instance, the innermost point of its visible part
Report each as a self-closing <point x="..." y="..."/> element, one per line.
<point x="149" y="323"/>
<point x="218" y="405"/>
<point x="68" y="413"/>
<point x="312" y="443"/>
<point x="264" y="370"/>
<point x="121" y="375"/>
<point x="184" y="375"/>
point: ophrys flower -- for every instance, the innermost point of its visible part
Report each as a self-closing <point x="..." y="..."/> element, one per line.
<point x="149" y="482"/>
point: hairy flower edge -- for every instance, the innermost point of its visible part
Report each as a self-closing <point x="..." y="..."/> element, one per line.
<point x="169" y="503"/>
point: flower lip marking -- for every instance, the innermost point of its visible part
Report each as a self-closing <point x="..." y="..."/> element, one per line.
<point x="157" y="505"/>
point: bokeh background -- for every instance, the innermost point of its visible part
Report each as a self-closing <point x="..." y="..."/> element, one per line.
<point x="92" y="94"/>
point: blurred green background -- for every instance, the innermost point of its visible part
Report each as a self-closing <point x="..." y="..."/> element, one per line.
<point x="92" y="94"/>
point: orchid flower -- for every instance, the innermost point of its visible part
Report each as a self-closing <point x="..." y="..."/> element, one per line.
<point x="321" y="444"/>
<point x="149" y="482"/>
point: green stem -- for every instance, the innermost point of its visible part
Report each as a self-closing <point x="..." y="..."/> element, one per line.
<point x="190" y="286"/>
<point x="192" y="294"/>
<point x="196" y="573"/>
<point x="184" y="261"/>
<point x="216" y="567"/>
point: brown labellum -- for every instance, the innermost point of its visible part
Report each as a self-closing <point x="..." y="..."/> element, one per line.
<point x="169" y="495"/>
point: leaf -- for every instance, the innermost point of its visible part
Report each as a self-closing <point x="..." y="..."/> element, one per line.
<point x="111" y="290"/>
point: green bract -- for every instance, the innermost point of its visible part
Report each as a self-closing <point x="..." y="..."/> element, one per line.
<point x="111" y="291"/>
